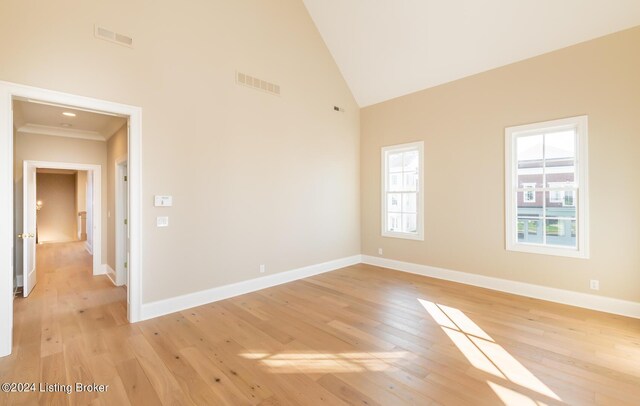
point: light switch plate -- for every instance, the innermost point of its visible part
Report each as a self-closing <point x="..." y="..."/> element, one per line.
<point x="162" y="201"/>
<point x="162" y="221"/>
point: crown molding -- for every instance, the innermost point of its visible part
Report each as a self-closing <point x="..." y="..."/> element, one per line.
<point x="61" y="132"/>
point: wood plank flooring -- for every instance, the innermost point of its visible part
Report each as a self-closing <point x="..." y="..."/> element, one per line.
<point x="361" y="335"/>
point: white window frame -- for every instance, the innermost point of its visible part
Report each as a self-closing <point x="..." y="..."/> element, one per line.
<point x="412" y="146"/>
<point x="580" y="124"/>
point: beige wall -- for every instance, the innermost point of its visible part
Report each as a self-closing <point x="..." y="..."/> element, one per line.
<point x="57" y="218"/>
<point x="36" y="147"/>
<point x="116" y="150"/>
<point x="256" y="179"/>
<point x="81" y="191"/>
<point x="462" y="124"/>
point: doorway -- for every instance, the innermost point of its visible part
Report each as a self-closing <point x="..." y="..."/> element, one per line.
<point x="9" y="92"/>
<point x="31" y="205"/>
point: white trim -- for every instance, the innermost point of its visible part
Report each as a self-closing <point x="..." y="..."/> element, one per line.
<point x="61" y="132"/>
<point x="178" y="303"/>
<point x="88" y="247"/>
<point x="568" y="297"/>
<point x="419" y="235"/>
<point x="111" y="274"/>
<point x="96" y="221"/>
<point x="120" y="215"/>
<point x="8" y="91"/>
<point x="580" y="123"/>
<point x="6" y="222"/>
<point x="19" y="280"/>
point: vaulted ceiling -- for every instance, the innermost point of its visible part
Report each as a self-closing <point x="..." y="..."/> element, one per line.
<point x="388" y="48"/>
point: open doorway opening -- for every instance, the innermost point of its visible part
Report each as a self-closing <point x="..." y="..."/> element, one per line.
<point x="57" y="142"/>
<point x="55" y="203"/>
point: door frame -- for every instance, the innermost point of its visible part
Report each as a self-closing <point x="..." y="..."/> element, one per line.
<point x="96" y="212"/>
<point x="121" y="214"/>
<point x="9" y="91"/>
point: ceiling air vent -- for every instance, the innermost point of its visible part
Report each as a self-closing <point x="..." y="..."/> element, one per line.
<point x="111" y="36"/>
<point x="259" y="84"/>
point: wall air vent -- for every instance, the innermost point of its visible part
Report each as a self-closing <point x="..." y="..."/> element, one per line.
<point x="259" y="84"/>
<point x="111" y="36"/>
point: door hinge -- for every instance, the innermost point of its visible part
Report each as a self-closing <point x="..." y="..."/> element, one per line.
<point x="125" y="222"/>
<point x="125" y="178"/>
<point x="125" y="264"/>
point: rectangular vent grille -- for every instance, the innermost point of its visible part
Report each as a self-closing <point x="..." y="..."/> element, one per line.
<point x="111" y="36"/>
<point x="259" y="84"/>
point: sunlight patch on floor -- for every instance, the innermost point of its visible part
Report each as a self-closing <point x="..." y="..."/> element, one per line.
<point x="485" y="354"/>
<point x="511" y="397"/>
<point x="314" y="362"/>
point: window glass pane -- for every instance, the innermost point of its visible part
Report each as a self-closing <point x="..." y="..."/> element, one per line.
<point x="555" y="196"/>
<point x="409" y="202"/>
<point x="395" y="182"/>
<point x="561" y="232"/>
<point x="530" y="175"/>
<point x="570" y="198"/>
<point x="394" y="202"/>
<point x="394" y="222"/>
<point x="527" y="207"/>
<point x="529" y="195"/>
<point x="409" y="223"/>
<point x="560" y="172"/>
<point x="560" y="145"/>
<point x="395" y="162"/>
<point x="530" y="231"/>
<point x="561" y="204"/>
<point x="530" y="163"/>
<point x="529" y="148"/>
<point x="411" y="161"/>
<point x="411" y="181"/>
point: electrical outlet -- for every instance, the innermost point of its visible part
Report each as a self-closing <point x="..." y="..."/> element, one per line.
<point x="379" y="251"/>
<point x="262" y="268"/>
<point x="594" y="284"/>
<point x="162" y="221"/>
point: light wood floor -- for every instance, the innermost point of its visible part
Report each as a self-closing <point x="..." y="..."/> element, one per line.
<point x="360" y="335"/>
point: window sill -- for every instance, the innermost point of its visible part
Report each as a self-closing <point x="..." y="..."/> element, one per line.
<point x="546" y="250"/>
<point x="404" y="236"/>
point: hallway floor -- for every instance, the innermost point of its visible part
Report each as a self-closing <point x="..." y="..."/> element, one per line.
<point x="58" y="329"/>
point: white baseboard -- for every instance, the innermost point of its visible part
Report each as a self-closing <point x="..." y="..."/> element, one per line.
<point x="176" y="304"/>
<point x="587" y="301"/>
<point x="111" y="274"/>
<point x="101" y="270"/>
<point x="88" y="247"/>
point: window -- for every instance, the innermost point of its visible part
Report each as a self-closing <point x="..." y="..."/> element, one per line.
<point x="546" y="188"/>
<point x="529" y="195"/>
<point x="402" y="195"/>
<point x="556" y="195"/>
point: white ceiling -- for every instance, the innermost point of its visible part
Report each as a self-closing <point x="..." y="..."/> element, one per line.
<point x="38" y="118"/>
<point x="388" y="48"/>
